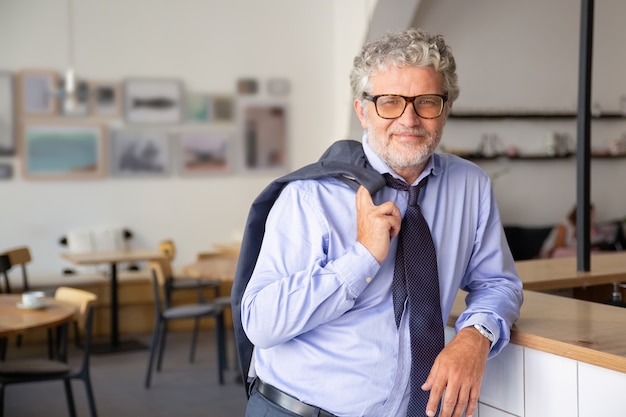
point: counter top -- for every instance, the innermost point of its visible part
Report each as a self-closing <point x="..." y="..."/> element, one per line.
<point x="557" y="273"/>
<point x="585" y="331"/>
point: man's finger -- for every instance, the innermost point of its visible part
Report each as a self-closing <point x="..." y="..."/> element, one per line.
<point x="363" y="198"/>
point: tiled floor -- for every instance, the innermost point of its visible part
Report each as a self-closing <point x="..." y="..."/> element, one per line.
<point x="180" y="389"/>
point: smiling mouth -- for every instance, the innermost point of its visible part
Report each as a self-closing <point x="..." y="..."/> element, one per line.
<point x="410" y="136"/>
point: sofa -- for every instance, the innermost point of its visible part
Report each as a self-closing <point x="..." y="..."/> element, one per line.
<point x="526" y="241"/>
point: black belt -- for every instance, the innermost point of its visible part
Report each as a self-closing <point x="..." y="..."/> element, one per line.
<point x="288" y="402"/>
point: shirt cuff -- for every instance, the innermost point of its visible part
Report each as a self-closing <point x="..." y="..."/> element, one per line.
<point x="484" y="320"/>
<point x="357" y="268"/>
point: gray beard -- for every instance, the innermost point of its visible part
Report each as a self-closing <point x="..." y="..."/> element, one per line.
<point x="398" y="160"/>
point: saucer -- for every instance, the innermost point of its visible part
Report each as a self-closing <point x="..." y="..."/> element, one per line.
<point x="32" y="306"/>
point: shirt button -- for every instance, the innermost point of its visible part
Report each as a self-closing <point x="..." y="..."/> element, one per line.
<point x="368" y="279"/>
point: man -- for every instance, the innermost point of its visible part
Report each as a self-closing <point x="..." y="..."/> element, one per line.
<point x="319" y="306"/>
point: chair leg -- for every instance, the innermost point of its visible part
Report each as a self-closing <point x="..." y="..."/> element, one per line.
<point x="3" y="348"/>
<point x="153" y="348"/>
<point x="1" y="400"/>
<point x="77" y="341"/>
<point x="221" y="347"/>
<point x="163" y="336"/>
<point x="91" y="401"/>
<point x="50" y="344"/>
<point x="194" y="340"/>
<point x="69" y="397"/>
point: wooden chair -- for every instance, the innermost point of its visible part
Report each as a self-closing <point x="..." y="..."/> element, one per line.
<point x="179" y="282"/>
<point x="8" y="259"/>
<point x="17" y="257"/>
<point x="165" y="312"/>
<point x="41" y="370"/>
<point x="70" y="296"/>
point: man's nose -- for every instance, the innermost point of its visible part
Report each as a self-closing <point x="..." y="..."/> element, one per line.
<point x="410" y="117"/>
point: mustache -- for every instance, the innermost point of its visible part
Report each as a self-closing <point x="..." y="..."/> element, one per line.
<point x="413" y="131"/>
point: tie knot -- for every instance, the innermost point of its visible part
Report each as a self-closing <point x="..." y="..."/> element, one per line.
<point x="403" y="186"/>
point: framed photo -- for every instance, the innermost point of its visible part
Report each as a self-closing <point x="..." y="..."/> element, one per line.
<point x="7" y="114"/>
<point x="139" y="153"/>
<point x="37" y="93"/>
<point x="63" y="150"/>
<point x="6" y="171"/>
<point x="205" y="152"/>
<point x="157" y="101"/>
<point x="105" y="98"/>
<point x="76" y="105"/>
<point x="222" y="108"/>
<point x="263" y="126"/>
<point x="198" y="107"/>
<point x="247" y="86"/>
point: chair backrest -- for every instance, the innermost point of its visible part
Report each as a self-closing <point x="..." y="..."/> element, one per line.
<point x="168" y="248"/>
<point x="84" y="302"/>
<point x="162" y="270"/>
<point x="5" y="265"/>
<point x="81" y="299"/>
<point x="159" y="271"/>
<point x="19" y="256"/>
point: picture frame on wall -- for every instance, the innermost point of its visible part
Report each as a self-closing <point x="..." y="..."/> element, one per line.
<point x="247" y="86"/>
<point x="7" y="114"/>
<point x="263" y="126"/>
<point x="205" y="152"/>
<point x="63" y="150"/>
<point x="78" y="104"/>
<point x="222" y="108"/>
<point x="139" y="153"/>
<point x="37" y="92"/>
<point x="198" y="107"/>
<point x="153" y="101"/>
<point x="105" y="98"/>
<point x="6" y="171"/>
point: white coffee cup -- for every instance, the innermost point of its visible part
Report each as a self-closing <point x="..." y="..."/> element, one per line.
<point x="33" y="298"/>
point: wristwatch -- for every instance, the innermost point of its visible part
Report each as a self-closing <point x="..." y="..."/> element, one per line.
<point x="485" y="332"/>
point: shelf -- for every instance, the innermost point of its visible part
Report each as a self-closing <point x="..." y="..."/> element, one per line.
<point x="547" y="116"/>
<point x="538" y="157"/>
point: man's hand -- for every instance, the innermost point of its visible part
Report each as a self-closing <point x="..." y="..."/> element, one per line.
<point x="376" y="225"/>
<point x="458" y="370"/>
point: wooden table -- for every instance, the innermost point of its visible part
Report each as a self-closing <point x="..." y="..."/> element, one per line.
<point x="113" y="258"/>
<point x="218" y="266"/>
<point x="560" y="273"/>
<point x="15" y="320"/>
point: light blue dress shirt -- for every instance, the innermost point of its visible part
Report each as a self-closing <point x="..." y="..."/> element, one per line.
<point x="318" y="306"/>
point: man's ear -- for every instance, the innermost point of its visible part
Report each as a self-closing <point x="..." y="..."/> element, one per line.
<point x="360" y="112"/>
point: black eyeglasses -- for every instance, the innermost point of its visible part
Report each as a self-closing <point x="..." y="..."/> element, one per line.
<point x="392" y="106"/>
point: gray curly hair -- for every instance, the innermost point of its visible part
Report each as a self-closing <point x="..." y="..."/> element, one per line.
<point x="412" y="48"/>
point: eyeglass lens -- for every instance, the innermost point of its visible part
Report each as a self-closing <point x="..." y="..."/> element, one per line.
<point x="392" y="106"/>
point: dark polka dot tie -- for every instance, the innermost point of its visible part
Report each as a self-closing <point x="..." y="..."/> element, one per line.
<point x="416" y="278"/>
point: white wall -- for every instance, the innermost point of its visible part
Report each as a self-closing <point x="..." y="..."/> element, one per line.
<point x="523" y="56"/>
<point x="207" y="44"/>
